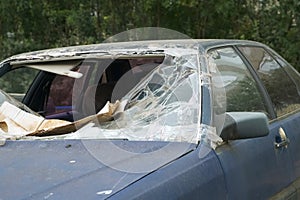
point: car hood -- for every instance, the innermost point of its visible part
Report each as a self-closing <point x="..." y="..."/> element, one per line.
<point x="79" y="169"/>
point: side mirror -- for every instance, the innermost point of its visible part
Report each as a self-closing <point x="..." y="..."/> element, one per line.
<point x="243" y="125"/>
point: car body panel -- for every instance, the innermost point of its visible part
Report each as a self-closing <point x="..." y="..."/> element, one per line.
<point x="195" y="176"/>
<point x="256" y="164"/>
<point x="37" y="169"/>
<point x="290" y="125"/>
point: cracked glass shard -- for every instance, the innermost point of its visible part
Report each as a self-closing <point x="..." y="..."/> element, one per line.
<point x="165" y="105"/>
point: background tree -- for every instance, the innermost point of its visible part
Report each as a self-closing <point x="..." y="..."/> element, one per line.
<point x="28" y="25"/>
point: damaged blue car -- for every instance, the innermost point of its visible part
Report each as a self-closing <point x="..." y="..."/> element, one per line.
<point x="165" y="119"/>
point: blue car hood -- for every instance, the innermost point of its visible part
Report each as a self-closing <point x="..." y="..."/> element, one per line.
<point x="79" y="169"/>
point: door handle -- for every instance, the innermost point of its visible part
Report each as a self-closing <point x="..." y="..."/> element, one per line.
<point x="281" y="140"/>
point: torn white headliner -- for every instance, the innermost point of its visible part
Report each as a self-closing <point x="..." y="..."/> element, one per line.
<point x="58" y="68"/>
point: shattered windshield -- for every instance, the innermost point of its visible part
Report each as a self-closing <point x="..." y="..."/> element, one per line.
<point x="156" y="99"/>
<point x="164" y="106"/>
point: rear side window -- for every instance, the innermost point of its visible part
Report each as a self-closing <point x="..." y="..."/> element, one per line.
<point x="293" y="74"/>
<point x="281" y="88"/>
<point x="242" y="91"/>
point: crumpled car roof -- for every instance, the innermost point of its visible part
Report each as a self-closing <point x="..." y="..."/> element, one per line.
<point x="138" y="47"/>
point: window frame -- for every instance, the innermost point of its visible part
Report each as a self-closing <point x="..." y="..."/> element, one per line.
<point x="261" y="88"/>
<point x="259" y="82"/>
<point x="271" y="53"/>
<point x="39" y="88"/>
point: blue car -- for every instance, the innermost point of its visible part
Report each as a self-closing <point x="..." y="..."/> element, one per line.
<point x="165" y="119"/>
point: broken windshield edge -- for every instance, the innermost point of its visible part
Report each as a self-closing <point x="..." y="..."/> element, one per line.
<point x="164" y="106"/>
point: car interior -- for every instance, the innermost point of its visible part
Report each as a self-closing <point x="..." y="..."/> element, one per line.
<point x="102" y="80"/>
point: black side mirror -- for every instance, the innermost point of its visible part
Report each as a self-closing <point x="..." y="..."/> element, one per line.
<point x="243" y="125"/>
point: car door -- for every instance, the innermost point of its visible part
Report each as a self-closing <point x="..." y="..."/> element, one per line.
<point x="282" y="83"/>
<point x="291" y="121"/>
<point x="254" y="168"/>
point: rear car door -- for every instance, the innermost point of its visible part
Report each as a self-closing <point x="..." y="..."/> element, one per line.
<point x="282" y="82"/>
<point x="254" y="168"/>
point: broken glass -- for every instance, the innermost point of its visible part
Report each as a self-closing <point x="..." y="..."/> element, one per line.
<point x="164" y="106"/>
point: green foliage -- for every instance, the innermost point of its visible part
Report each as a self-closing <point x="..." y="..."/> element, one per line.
<point x="18" y="81"/>
<point x="37" y="24"/>
<point x="244" y="96"/>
